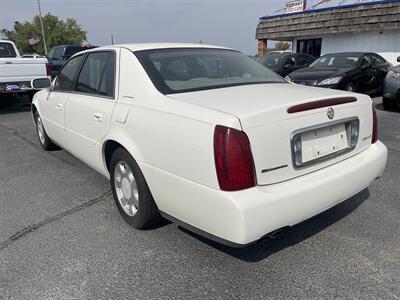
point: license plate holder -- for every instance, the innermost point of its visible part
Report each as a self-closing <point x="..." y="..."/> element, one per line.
<point x="314" y="144"/>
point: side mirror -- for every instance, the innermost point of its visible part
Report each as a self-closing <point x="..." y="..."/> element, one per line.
<point x="40" y="83"/>
<point x="398" y="58"/>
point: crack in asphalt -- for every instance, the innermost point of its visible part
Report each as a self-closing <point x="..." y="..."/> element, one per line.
<point x="34" y="227"/>
<point x="17" y="134"/>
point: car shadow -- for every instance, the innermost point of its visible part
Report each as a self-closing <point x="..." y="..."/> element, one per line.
<point x="9" y="104"/>
<point x="380" y="107"/>
<point x="292" y="236"/>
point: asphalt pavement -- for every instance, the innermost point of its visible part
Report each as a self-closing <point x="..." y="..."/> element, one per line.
<point x="61" y="237"/>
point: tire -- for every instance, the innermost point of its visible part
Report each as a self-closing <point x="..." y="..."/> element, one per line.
<point x="44" y="139"/>
<point x="30" y="96"/>
<point x="350" y="87"/>
<point x="131" y="192"/>
<point x="389" y="104"/>
<point x="5" y="100"/>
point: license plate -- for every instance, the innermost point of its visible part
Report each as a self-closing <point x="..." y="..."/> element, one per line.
<point x="322" y="142"/>
<point x="12" y="87"/>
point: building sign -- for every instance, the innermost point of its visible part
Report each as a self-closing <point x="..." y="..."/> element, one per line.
<point x="295" y="6"/>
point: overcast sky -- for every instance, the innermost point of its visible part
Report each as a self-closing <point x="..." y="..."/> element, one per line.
<point x="230" y="23"/>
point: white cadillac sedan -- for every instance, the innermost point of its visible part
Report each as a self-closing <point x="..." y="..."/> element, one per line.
<point x="209" y="138"/>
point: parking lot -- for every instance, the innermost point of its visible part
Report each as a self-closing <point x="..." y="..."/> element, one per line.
<point x="62" y="237"/>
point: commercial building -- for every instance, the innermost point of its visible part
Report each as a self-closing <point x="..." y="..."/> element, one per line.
<point x="330" y="26"/>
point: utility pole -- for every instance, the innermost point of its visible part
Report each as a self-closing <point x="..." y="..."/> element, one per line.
<point x="41" y="25"/>
<point x="112" y="39"/>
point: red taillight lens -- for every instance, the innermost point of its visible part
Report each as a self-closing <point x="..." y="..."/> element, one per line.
<point x="374" y="126"/>
<point x="48" y="69"/>
<point x="233" y="159"/>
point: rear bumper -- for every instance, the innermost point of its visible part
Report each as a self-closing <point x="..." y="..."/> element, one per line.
<point x="23" y="87"/>
<point x="241" y="218"/>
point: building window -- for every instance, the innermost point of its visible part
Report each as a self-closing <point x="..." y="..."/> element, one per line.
<point x="311" y="47"/>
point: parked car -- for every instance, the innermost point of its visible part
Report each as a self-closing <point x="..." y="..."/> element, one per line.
<point x="187" y="132"/>
<point x="391" y="91"/>
<point x="353" y="72"/>
<point x="58" y="55"/>
<point x="16" y="72"/>
<point x="285" y="63"/>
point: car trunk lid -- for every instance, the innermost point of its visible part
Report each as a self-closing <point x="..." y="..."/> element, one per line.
<point x="263" y="113"/>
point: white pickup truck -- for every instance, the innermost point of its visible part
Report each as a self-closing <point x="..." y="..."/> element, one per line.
<point x="16" y="72"/>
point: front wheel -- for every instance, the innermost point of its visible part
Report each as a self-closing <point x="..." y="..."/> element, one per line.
<point x="131" y="192"/>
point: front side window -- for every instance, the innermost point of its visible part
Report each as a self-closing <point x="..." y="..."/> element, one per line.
<point x="97" y="74"/>
<point x="58" y="53"/>
<point x="304" y="60"/>
<point x="291" y="61"/>
<point x="7" y="50"/>
<point x="186" y="70"/>
<point x="272" y="60"/>
<point x="66" y="76"/>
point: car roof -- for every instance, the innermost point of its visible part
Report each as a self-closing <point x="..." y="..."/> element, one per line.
<point x="349" y="53"/>
<point x="153" y="46"/>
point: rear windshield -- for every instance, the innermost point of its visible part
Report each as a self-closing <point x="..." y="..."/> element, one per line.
<point x="7" y="50"/>
<point x="187" y="70"/>
<point x="71" y="50"/>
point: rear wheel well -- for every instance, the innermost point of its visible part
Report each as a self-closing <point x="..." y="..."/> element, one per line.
<point x="109" y="150"/>
<point x="34" y="112"/>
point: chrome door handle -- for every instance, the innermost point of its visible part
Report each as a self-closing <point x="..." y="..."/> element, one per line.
<point x="98" y="117"/>
<point x="59" y="106"/>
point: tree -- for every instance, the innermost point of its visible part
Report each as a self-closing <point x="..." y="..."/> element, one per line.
<point x="282" y="46"/>
<point x="57" y="32"/>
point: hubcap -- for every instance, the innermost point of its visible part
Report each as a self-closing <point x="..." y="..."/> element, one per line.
<point x="40" y="130"/>
<point x="350" y="88"/>
<point x="126" y="188"/>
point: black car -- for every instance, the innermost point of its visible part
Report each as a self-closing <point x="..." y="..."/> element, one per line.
<point x="354" y="72"/>
<point x="285" y="63"/>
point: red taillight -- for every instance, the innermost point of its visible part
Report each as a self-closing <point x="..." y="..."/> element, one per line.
<point x="374" y="126"/>
<point x="233" y="159"/>
<point x="48" y="69"/>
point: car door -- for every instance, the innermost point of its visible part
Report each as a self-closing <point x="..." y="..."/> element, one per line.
<point x="53" y="107"/>
<point x="89" y="108"/>
<point x="381" y="67"/>
<point x="364" y="79"/>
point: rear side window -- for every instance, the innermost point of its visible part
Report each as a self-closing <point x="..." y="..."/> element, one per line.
<point x="65" y="78"/>
<point x="377" y="60"/>
<point x="58" y="53"/>
<point x="7" y="50"/>
<point x="97" y="75"/>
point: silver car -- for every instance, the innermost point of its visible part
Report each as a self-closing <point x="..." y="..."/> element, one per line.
<point x="391" y="90"/>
